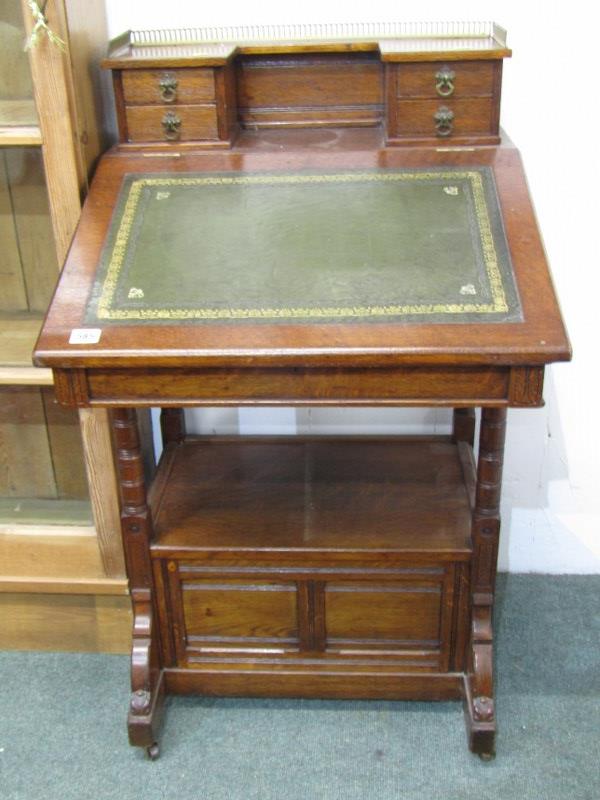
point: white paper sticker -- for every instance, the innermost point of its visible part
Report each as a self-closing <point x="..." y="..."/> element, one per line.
<point x="85" y="336"/>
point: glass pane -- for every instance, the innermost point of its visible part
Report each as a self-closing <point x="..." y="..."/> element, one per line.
<point x="42" y="474"/>
<point x="16" y="91"/>
<point x="28" y="266"/>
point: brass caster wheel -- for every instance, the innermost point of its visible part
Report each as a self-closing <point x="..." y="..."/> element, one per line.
<point x="487" y="756"/>
<point x="153" y="751"/>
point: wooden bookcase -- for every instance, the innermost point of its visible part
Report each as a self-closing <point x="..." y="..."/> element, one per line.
<point x="60" y="548"/>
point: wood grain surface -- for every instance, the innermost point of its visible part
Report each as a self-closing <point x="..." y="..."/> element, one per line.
<point x="142" y="87"/>
<point x="314" y="495"/>
<point x="471" y="79"/>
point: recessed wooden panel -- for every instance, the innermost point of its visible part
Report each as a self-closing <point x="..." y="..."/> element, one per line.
<point x="144" y="123"/>
<point x="471" y="116"/>
<point x="293" y="85"/>
<point x="360" y="613"/>
<point x="264" y="611"/>
<point x="471" y="78"/>
<point x="143" y="86"/>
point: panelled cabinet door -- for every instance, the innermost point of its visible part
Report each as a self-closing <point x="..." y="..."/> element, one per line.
<point x="295" y="614"/>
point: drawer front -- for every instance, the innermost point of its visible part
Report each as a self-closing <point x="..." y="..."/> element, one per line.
<point x="445" y="119"/>
<point x="168" y="86"/>
<point x="445" y="80"/>
<point x="177" y="124"/>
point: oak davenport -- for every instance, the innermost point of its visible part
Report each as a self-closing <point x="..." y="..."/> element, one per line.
<point x="335" y="221"/>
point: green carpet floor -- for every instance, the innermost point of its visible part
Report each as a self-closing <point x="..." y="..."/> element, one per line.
<point x="62" y="731"/>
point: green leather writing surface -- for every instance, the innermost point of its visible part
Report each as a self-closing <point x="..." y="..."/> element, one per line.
<point x="405" y="245"/>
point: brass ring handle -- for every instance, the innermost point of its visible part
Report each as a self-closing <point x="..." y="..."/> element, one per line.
<point x="444" y="119"/>
<point x="168" y="87"/>
<point x="444" y="82"/>
<point x="171" y="123"/>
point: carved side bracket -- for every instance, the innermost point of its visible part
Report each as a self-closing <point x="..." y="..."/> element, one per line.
<point x="147" y="698"/>
<point x="479" y="689"/>
<point x="147" y="687"/>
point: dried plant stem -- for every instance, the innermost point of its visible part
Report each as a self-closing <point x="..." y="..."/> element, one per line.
<point x="41" y="27"/>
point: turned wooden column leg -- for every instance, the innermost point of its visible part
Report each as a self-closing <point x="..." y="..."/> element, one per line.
<point x="147" y="687"/>
<point x="172" y="425"/>
<point x="463" y="425"/>
<point x="479" y="692"/>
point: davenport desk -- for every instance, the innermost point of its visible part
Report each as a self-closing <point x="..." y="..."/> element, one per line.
<point x="333" y="221"/>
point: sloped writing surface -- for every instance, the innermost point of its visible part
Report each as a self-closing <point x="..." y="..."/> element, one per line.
<point x="372" y="245"/>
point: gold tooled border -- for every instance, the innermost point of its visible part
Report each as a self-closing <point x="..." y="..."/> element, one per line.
<point x="105" y="310"/>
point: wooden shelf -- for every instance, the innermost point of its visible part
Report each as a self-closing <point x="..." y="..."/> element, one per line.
<point x="51" y="512"/>
<point x="18" y="124"/>
<point x="20" y="136"/>
<point x="69" y="585"/>
<point x="312" y="495"/>
<point x="17" y="339"/>
<point x="59" y="558"/>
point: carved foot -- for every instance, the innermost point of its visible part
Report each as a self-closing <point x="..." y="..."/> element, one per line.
<point x="145" y="717"/>
<point x="481" y="723"/>
<point x="483" y="708"/>
<point x="147" y="678"/>
<point x="140" y="703"/>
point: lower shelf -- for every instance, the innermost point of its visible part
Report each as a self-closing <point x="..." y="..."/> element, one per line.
<point x="282" y="495"/>
<point x="339" y="559"/>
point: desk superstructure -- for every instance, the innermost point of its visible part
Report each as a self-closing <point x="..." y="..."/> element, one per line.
<point x="421" y="83"/>
<point x="331" y="220"/>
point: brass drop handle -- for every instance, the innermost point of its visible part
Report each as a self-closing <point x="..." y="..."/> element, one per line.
<point x="171" y="123"/>
<point x="444" y="118"/>
<point x="168" y="87"/>
<point x="444" y="82"/>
